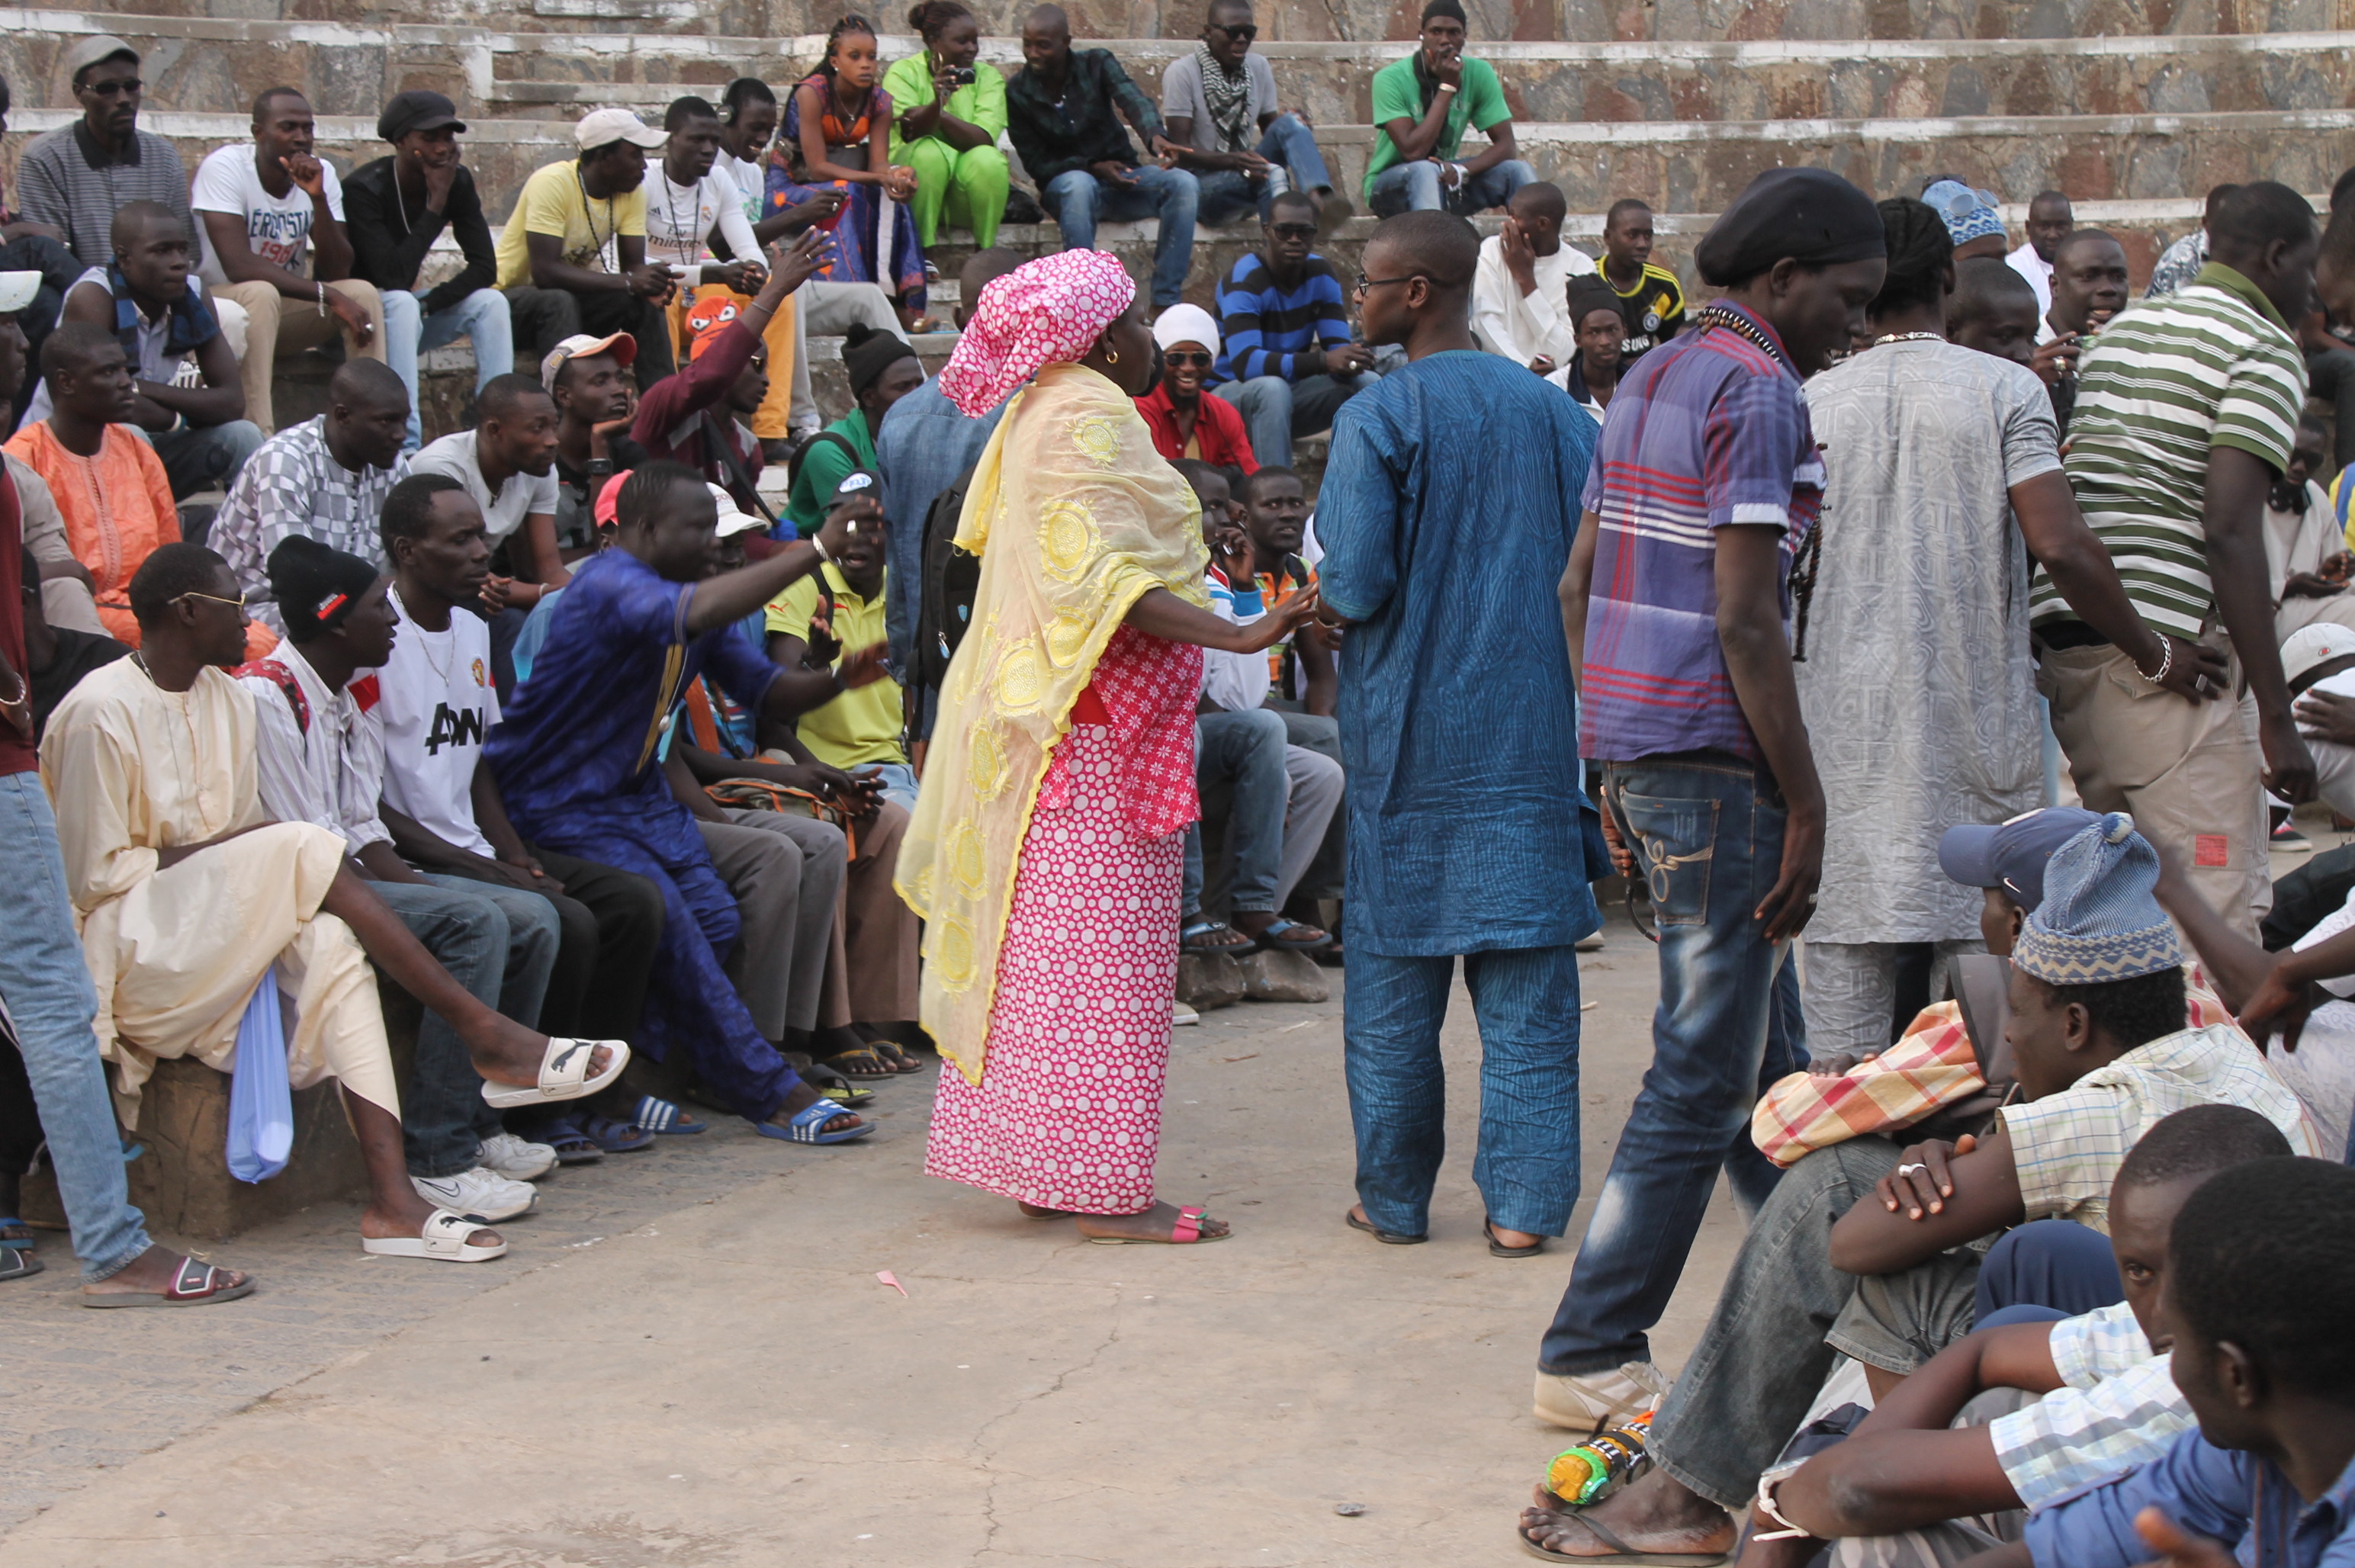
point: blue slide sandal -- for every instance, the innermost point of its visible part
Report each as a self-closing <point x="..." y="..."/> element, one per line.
<point x="803" y="1127"/>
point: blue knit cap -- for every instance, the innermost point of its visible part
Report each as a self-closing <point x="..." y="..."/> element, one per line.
<point x="2099" y="920"/>
<point x="1969" y="214"/>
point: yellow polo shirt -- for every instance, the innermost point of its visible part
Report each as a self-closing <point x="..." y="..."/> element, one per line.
<point x="862" y="725"/>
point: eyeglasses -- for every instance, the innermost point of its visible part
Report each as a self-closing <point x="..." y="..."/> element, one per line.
<point x="1175" y="359"/>
<point x="1244" y="32"/>
<point x="238" y="603"/>
<point x="1365" y="283"/>
<point x="121" y="88"/>
<point x="1292" y="230"/>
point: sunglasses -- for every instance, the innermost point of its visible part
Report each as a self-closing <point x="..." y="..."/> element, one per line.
<point x="238" y="603"/>
<point x="1174" y="358"/>
<point x="1243" y="33"/>
<point x="128" y="89"/>
<point x="1292" y="230"/>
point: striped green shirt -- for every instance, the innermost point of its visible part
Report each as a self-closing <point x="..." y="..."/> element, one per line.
<point x="2167" y="379"/>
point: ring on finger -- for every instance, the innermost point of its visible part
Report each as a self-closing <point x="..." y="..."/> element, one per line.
<point x="1910" y="1170"/>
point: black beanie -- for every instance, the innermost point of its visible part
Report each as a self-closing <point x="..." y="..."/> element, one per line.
<point x="315" y="586"/>
<point x="1444" y="8"/>
<point x="867" y="352"/>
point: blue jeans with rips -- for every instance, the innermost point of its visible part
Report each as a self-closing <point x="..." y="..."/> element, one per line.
<point x="1707" y="832"/>
<point x="1415" y="187"/>
<point x="1076" y="200"/>
<point x="1526" y="1000"/>
<point x="51" y="1001"/>
<point x="1291" y="145"/>
<point x="500" y="944"/>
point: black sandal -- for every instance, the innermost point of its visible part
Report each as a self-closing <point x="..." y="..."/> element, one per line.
<point x="1189" y="942"/>
<point x="1387" y="1238"/>
<point x="865" y="1064"/>
<point x="1499" y="1250"/>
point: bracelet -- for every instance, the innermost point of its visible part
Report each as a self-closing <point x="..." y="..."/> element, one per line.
<point x="22" y="691"/>
<point x="2165" y="661"/>
<point x="819" y="545"/>
<point x="323" y="299"/>
<point x="599" y="467"/>
<point x="1446" y="87"/>
<point x="1789" y="1531"/>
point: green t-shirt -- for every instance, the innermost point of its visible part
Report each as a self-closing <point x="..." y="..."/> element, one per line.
<point x="1479" y="102"/>
<point x="823" y="465"/>
<point x="980" y="103"/>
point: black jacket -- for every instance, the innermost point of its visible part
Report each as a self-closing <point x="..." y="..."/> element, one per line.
<point x="389" y="242"/>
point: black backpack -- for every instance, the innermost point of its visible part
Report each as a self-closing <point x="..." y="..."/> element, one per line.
<point x="951" y="574"/>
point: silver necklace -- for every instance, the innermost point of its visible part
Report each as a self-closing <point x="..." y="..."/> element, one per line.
<point x="1909" y="337"/>
<point x="449" y="630"/>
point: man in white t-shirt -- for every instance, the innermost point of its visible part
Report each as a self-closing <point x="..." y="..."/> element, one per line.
<point x="507" y="464"/>
<point x="437" y="704"/>
<point x="258" y="208"/>
<point x="2050" y="219"/>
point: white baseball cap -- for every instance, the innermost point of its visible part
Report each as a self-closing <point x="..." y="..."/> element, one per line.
<point x="603" y="127"/>
<point x="16" y="291"/>
<point x="2311" y="646"/>
<point x="733" y="520"/>
<point x="1186" y="323"/>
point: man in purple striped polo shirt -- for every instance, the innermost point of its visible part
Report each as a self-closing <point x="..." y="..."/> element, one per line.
<point x="1677" y="604"/>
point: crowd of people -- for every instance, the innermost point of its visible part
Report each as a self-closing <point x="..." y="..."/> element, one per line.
<point x="1946" y="637"/>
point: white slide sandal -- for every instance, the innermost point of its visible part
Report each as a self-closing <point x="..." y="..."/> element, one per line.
<point x="563" y="1074"/>
<point x="441" y="1239"/>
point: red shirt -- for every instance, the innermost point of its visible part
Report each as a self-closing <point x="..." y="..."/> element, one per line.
<point x="1218" y="430"/>
<point x="17" y="754"/>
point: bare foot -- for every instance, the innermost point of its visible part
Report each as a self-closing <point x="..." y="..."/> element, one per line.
<point x="1158" y="1223"/>
<point x="801" y="1098"/>
<point x="403" y="1221"/>
<point x="151" y="1272"/>
<point x="1644" y="1516"/>
<point x="505" y="1052"/>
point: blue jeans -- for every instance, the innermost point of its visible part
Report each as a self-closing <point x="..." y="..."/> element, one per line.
<point x="1412" y="187"/>
<point x="1707" y="832"/>
<point x="481" y="317"/>
<point x="1526" y="1000"/>
<point x="500" y="944"/>
<point x="898" y="782"/>
<point x="1291" y="146"/>
<point x="1275" y="409"/>
<point x="49" y="996"/>
<point x="1077" y="198"/>
<point x="1248" y="748"/>
<point x="2055" y="1265"/>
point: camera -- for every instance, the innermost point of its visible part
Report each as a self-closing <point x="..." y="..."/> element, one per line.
<point x="964" y="77"/>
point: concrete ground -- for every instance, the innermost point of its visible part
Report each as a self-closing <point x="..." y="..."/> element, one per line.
<point x="688" y="1358"/>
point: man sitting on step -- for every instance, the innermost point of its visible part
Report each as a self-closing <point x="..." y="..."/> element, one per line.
<point x="572" y="257"/>
<point x="1289" y="362"/>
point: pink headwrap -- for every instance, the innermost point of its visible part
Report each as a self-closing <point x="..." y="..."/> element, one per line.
<point x="1043" y="313"/>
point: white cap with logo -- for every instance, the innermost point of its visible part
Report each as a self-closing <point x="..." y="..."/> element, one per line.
<point x="603" y="127"/>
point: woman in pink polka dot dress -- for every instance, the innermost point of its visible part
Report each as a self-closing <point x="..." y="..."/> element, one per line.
<point x="1051" y="908"/>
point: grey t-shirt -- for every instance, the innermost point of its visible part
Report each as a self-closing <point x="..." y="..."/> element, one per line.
<point x="519" y="497"/>
<point x="1181" y="95"/>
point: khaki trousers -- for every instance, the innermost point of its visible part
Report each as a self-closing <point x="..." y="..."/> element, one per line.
<point x="871" y="972"/>
<point x="276" y="325"/>
<point x="2190" y="775"/>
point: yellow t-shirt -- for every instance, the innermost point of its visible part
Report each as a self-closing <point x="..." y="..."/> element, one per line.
<point x="862" y="726"/>
<point x="552" y="203"/>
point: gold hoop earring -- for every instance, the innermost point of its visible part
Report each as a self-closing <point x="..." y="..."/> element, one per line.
<point x="1111" y="355"/>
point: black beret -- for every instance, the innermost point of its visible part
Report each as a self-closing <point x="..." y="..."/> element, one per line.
<point x="1803" y="214"/>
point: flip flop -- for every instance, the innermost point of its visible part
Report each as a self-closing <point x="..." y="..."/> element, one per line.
<point x="191" y="1286"/>
<point x="23" y="1243"/>
<point x="1274" y="938"/>
<point x="1620" y="1553"/>
<point x="441" y="1239"/>
<point x="1498" y="1249"/>
<point x="804" y="1129"/>
<point x="19" y="1265"/>
<point x="572" y="1145"/>
<point x="563" y="1074"/>
<point x="610" y="1136"/>
<point x="662" y="1116"/>
<point x="1387" y="1238"/>
<point x="1188" y="944"/>
<point x="861" y="1065"/>
<point x="893" y="1052"/>
<point x="1184" y="1233"/>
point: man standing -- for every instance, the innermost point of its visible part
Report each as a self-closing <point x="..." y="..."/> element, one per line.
<point x="398" y="207"/>
<point x="1519" y="299"/>
<point x="572" y="255"/>
<point x="327" y="478"/>
<point x="73" y="178"/>
<point x="51" y="1001"/>
<point x="1676" y="605"/>
<point x="190" y="400"/>
<point x="2050" y="221"/>
<point x="259" y="206"/>
<point x="2089" y="286"/>
<point x="2187" y="410"/>
<point x="1974" y="222"/>
<point x="1993" y="311"/>
<point x="2180" y="262"/>
<point x="1436" y="557"/>
<point x="1422" y="106"/>
<point x="1917" y="688"/>
<point x="1220" y="106"/>
<point x="1064" y="109"/>
<point x="1650" y="297"/>
<point x="1289" y="362"/>
<point x="1599" y="329"/>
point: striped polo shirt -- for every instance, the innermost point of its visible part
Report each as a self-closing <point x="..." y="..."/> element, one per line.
<point x="2167" y="379"/>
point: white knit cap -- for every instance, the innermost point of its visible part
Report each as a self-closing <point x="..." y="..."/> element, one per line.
<point x="1186" y="323"/>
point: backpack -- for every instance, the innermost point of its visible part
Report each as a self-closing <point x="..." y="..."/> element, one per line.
<point x="950" y="577"/>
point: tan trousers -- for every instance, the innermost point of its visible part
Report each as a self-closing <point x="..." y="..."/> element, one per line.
<point x="2190" y="775"/>
<point x="871" y="973"/>
<point x="276" y="325"/>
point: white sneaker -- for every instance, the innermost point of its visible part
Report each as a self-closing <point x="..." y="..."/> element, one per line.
<point x="483" y="1196"/>
<point x="1590" y="1402"/>
<point x="1180" y="1014"/>
<point x="518" y="1160"/>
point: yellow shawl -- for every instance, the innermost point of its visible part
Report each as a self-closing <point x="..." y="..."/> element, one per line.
<point x="1074" y="516"/>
